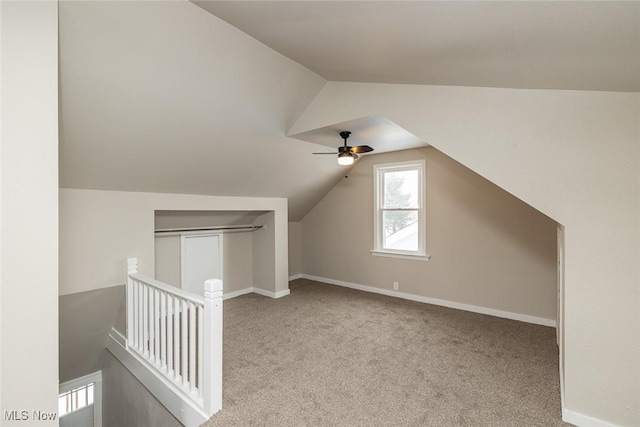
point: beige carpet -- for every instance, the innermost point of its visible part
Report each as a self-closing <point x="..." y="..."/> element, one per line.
<point x="331" y="356"/>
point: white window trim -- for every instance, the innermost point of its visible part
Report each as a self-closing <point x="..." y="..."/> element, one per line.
<point x="95" y="378"/>
<point x="378" y="172"/>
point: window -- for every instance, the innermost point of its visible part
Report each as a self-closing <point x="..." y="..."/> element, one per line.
<point x="80" y="401"/>
<point x="75" y="399"/>
<point x="400" y="210"/>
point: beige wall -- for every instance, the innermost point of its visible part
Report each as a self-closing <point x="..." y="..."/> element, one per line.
<point x="29" y="210"/>
<point x="487" y="248"/>
<point x="86" y="318"/>
<point x="99" y="230"/>
<point x="295" y="249"/>
<point x="167" y="260"/>
<point x="263" y="243"/>
<point x="128" y="403"/>
<point x="573" y="155"/>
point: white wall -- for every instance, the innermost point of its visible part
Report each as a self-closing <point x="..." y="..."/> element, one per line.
<point x="29" y="230"/>
<point x="99" y="230"/>
<point x="263" y="243"/>
<point x="295" y="249"/>
<point x="488" y="249"/>
<point x="573" y="155"/>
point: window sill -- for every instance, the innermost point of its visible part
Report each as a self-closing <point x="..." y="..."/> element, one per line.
<point x="401" y="255"/>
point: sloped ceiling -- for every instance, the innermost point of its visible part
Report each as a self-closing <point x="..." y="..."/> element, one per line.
<point x="165" y="97"/>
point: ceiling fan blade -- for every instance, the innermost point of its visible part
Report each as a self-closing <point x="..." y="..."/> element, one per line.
<point x="325" y="153"/>
<point x="361" y="149"/>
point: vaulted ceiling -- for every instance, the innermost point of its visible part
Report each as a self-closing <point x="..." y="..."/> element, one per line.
<point x="169" y="97"/>
<point x="165" y="97"/>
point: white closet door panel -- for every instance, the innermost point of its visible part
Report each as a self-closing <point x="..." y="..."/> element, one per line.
<point x="201" y="257"/>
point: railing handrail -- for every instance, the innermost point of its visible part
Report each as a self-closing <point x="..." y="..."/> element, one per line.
<point x="195" y="298"/>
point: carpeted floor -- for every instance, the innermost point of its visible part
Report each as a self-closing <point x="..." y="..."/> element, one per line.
<point x="331" y="356"/>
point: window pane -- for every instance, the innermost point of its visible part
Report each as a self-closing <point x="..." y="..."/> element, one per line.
<point x="81" y="395"/>
<point x="400" y="230"/>
<point x="90" y="394"/>
<point x="63" y="404"/>
<point x="401" y="189"/>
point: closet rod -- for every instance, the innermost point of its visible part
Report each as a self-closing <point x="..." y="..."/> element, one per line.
<point x="220" y="228"/>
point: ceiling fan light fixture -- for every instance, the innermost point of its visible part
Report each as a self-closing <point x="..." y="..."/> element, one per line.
<point x="346" y="158"/>
<point x="347" y="155"/>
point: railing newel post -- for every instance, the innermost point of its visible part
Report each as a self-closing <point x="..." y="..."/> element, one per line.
<point x="212" y="369"/>
<point x="132" y="268"/>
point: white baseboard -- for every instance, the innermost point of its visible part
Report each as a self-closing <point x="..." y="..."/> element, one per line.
<point x="173" y="399"/>
<point x="582" y="420"/>
<point x="234" y="294"/>
<point x="258" y="291"/>
<point x="445" y="303"/>
<point x="281" y="294"/>
<point x="295" y="276"/>
<point x="270" y="294"/>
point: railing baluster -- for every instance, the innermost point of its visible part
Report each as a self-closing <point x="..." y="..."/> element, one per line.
<point x="176" y="338"/>
<point x="192" y="346"/>
<point x="169" y="334"/>
<point x="163" y="330"/>
<point x="200" y="344"/>
<point x="134" y="318"/>
<point x="145" y="320"/>
<point x="184" y="349"/>
<point x="134" y="284"/>
<point x="139" y="316"/>
<point x="152" y="323"/>
<point x="156" y="334"/>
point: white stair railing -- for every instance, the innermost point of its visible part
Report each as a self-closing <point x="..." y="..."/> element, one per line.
<point x="178" y="335"/>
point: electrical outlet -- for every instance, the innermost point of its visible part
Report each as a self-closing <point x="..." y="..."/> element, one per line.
<point x="396" y="286"/>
